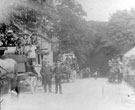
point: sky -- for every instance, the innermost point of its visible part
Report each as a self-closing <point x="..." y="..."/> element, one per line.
<point x="101" y="10"/>
<point x="5" y="8"/>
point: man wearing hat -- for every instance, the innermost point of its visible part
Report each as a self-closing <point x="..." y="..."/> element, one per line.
<point x="58" y="78"/>
<point x="46" y="74"/>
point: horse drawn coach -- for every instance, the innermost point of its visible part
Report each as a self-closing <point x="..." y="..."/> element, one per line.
<point x="17" y="70"/>
<point x="69" y="65"/>
<point x="115" y="72"/>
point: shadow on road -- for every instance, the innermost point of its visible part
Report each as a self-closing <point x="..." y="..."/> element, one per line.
<point x="22" y="89"/>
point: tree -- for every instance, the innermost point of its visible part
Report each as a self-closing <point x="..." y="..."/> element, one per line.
<point x="36" y="16"/>
<point x="122" y="28"/>
<point x="30" y="17"/>
<point x="70" y="27"/>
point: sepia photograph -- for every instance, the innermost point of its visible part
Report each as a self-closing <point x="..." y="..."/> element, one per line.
<point x="67" y="55"/>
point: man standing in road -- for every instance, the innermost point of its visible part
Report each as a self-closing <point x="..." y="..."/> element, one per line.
<point x="58" y="78"/>
<point x="46" y="74"/>
<point x="96" y="74"/>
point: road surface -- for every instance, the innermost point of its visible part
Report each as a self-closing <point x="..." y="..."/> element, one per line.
<point x="83" y="94"/>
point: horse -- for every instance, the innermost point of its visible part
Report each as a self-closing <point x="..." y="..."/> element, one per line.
<point x="115" y="74"/>
<point x="120" y="73"/>
<point x="66" y="72"/>
<point x="8" y="72"/>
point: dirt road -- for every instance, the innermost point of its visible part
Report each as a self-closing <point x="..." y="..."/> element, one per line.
<point x="83" y="94"/>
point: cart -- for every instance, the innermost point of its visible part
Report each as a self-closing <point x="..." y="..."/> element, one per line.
<point x="26" y="76"/>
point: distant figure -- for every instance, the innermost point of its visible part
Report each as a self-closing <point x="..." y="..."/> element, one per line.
<point x="58" y="78"/>
<point x="95" y="75"/>
<point x="73" y="75"/>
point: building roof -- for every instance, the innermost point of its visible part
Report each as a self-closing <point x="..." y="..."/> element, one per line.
<point x="130" y="52"/>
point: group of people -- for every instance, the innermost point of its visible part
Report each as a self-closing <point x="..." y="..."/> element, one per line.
<point x="23" y="41"/>
<point x="47" y="73"/>
<point x="12" y="40"/>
